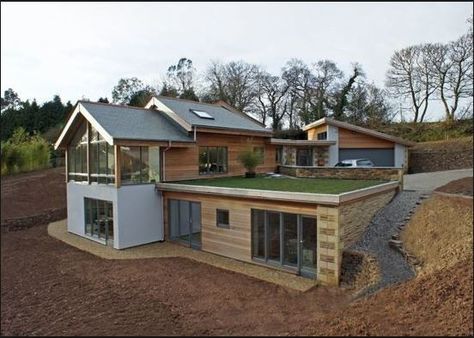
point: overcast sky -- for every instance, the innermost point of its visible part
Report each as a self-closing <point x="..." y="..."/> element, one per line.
<point x="83" y="49"/>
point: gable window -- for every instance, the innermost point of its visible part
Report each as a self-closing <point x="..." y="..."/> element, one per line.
<point x="77" y="155"/>
<point x="102" y="159"/>
<point x="304" y="157"/>
<point x="139" y="165"/>
<point x="261" y="153"/>
<point x="222" y="218"/>
<point x="323" y="135"/>
<point x="212" y="160"/>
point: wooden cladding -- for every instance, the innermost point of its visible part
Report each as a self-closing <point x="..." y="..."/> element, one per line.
<point x="183" y="163"/>
<point x="234" y="241"/>
<point x="352" y="139"/>
<point x="313" y="132"/>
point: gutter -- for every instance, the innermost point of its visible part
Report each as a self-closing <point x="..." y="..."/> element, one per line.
<point x="164" y="159"/>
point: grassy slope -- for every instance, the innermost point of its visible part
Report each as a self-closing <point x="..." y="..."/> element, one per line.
<point x="310" y="185"/>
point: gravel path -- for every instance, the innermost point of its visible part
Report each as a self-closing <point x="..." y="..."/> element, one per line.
<point x="393" y="266"/>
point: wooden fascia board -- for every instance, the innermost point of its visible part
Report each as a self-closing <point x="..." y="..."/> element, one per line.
<point x="165" y="109"/>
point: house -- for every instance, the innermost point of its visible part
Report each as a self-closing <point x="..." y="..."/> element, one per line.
<point x="330" y="141"/>
<point x="162" y="172"/>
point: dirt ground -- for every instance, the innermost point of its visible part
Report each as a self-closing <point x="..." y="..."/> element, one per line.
<point x="50" y="288"/>
<point x="463" y="186"/>
<point x="32" y="193"/>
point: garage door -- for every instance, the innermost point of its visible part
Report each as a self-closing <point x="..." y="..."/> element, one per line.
<point x="380" y="157"/>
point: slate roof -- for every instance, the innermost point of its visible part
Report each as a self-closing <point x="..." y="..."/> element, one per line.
<point x="223" y="118"/>
<point x="125" y="122"/>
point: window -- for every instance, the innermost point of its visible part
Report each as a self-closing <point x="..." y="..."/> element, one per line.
<point x="222" y="218"/>
<point x="212" y="160"/>
<point x="77" y="155"/>
<point x="139" y="165"/>
<point x="99" y="219"/>
<point x="304" y="157"/>
<point x="102" y="159"/>
<point x="323" y="135"/>
<point x="202" y="114"/>
<point x="261" y="152"/>
<point x="279" y="155"/>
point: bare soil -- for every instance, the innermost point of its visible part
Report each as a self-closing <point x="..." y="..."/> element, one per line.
<point x="34" y="193"/>
<point x="440" y="233"/>
<point x="50" y="288"/>
<point x="463" y="186"/>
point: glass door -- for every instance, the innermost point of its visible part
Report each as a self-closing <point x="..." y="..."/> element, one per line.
<point x="308" y="246"/>
<point x="184" y="221"/>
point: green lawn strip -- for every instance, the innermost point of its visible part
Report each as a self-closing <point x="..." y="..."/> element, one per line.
<point x="310" y="185"/>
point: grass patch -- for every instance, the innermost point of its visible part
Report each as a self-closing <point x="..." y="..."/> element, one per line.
<point x="310" y="185"/>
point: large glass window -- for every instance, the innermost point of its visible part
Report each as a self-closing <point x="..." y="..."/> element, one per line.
<point x="99" y="219"/>
<point x="77" y="155"/>
<point x="139" y="164"/>
<point x="212" y="160"/>
<point x="285" y="239"/>
<point x="102" y="159"/>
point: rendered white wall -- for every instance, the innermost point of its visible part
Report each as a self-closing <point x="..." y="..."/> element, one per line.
<point x="399" y="154"/>
<point x="333" y="135"/>
<point x="137" y="211"/>
<point x="140" y="216"/>
<point x="75" y="204"/>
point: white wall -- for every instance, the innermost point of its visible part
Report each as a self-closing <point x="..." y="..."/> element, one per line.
<point x="399" y="153"/>
<point x="140" y="215"/>
<point x="137" y="211"/>
<point x="75" y="203"/>
<point x="333" y="135"/>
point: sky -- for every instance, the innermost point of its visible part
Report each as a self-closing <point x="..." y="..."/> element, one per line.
<point x="81" y="50"/>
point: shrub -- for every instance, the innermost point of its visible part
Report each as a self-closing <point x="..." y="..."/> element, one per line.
<point x="22" y="153"/>
<point x="249" y="159"/>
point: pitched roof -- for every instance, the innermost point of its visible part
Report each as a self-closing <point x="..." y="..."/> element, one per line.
<point x="125" y="122"/>
<point x="224" y="116"/>
<point x="361" y="130"/>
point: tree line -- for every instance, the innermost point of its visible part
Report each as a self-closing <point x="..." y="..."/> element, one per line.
<point x="299" y="94"/>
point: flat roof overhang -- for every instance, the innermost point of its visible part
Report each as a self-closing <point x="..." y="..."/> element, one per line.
<point x="287" y="196"/>
<point x="305" y="143"/>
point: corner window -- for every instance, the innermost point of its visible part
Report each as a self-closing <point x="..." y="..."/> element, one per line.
<point x="77" y="155"/>
<point x="222" y="218"/>
<point x="261" y="152"/>
<point x="212" y="160"/>
<point x="139" y="165"/>
<point x="323" y="136"/>
<point x="102" y="159"/>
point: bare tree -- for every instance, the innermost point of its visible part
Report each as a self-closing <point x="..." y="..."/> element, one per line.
<point x="410" y="77"/>
<point x="271" y="99"/>
<point x="341" y="96"/>
<point x="234" y="82"/>
<point x="326" y="79"/>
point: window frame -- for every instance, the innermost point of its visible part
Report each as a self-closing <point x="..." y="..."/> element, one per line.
<point x="322" y="136"/>
<point x="207" y="149"/>
<point x="223" y="225"/>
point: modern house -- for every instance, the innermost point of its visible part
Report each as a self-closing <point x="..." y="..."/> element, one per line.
<point x="330" y="141"/>
<point x="129" y="171"/>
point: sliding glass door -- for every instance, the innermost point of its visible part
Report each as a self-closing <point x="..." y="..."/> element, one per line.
<point x="184" y="219"/>
<point x="286" y="240"/>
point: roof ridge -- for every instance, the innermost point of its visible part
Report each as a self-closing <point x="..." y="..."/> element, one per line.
<point x="187" y="100"/>
<point x="114" y="105"/>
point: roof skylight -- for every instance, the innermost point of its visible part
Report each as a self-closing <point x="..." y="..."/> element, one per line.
<point x="202" y="114"/>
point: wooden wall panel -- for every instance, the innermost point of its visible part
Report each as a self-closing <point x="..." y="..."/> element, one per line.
<point x="313" y="133"/>
<point x="183" y="163"/>
<point x="234" y="242"/>
<point x="352" y="139"/>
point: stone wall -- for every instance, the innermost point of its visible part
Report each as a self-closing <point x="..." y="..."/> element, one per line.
<point x="320" y="155"/>
<point x="355" y="216"/>
<point x="386" y="174"/>
<point x="329" y="250"/>
<point x="441" y="155"/>
<point x="14" y="224"/>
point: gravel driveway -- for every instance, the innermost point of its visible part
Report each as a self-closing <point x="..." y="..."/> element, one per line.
<point x="429" y="181"/>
